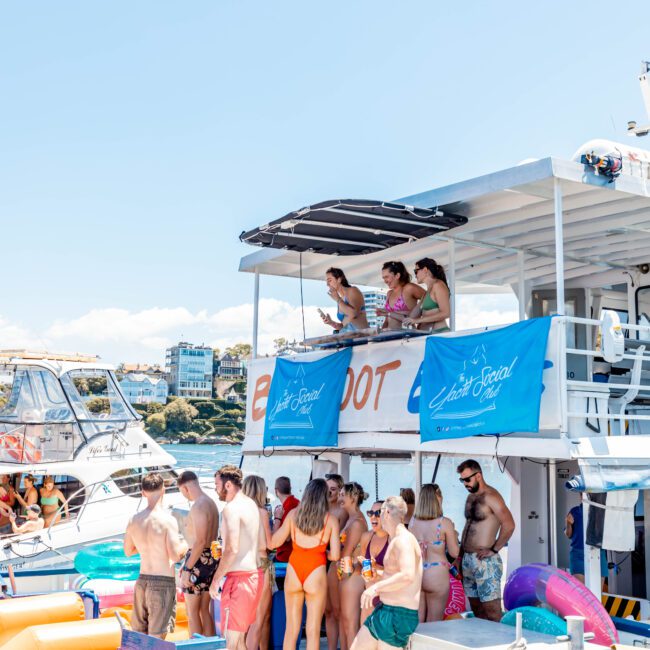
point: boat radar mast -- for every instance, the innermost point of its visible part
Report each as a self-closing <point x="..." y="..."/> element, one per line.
<point x="644" y="80"/>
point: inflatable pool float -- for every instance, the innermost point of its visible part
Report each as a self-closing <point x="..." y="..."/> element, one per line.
<point x="94" y="634"/>
<point x="533" y="583"/>
<point x="18" y="613"/>
<point x="536" y="619"/>
<point x="111" y="593"/>
<point x="107" y="560"/>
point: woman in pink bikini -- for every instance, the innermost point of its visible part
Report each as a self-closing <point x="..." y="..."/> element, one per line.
<point x="437" y="537"/>
<point x="402" y="296"/>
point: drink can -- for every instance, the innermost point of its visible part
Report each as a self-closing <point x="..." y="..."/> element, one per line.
<point x="366" y="568"/>
<point x="215" y="549"/>
<point x="347" y="564"/>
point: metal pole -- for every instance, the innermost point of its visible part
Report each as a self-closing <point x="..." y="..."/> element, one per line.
<point x="417" y="457"/>
<point x="559" y="246"/>
<point x="552" y="512"/>
<point x="575" y="629"/>
<point x="256" y="316"/>
<point x="521" y="286"/>
<point x="451" y="278"/>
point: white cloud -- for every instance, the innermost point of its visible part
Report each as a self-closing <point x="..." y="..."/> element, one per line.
<point x="121" y="335"/>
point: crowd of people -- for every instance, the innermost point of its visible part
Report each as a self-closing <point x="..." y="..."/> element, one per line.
<point x="35" y="509"/>
<point x="407" y="303"/>
<point x="373" y="575"/>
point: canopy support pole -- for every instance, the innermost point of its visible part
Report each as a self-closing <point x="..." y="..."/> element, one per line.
<point x="451" y="278"/>
<point x="552" y="512"/>
<point x="521" y="284"/>
<point x="559" y="247"/>
<point x="592" y="556"/>
<point x="417" y="457"/>
<point x="256" y="315"/>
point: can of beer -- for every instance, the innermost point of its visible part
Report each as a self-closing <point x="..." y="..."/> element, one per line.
<point x="215" y="549"/>
<point x="366" y="568"/>
<point x="347" y="564"/>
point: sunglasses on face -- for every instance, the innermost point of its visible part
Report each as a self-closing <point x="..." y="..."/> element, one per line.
<point x="373" y="513"/>
<point x="467" y="479"/>
<point x="416" y="269"/>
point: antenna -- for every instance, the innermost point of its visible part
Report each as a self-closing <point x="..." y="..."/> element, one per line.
<point x="644" y="81"/>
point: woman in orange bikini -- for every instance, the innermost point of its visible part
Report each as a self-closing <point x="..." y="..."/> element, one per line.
<point x="350" y="590"/>
<point x="311" y="530"/>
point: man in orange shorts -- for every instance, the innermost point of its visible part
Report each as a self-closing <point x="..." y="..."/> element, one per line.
<point x="242" y="537"/>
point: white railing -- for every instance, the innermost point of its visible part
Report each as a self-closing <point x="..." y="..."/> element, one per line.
<point x="624" y="402"/>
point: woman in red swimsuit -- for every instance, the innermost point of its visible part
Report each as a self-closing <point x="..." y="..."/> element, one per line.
<point x="403" y="295"/>
<point x="311" y="529"/>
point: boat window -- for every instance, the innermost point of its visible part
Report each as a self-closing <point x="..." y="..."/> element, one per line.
<point x="97" y="402"/>
<point x="70" y="487"/>
<point x="128" y="480"/>
<point x="643" y="309"/>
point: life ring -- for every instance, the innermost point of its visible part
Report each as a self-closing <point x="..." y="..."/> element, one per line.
<point x="456" y="599"/>
<point x="107" y="560"/>
<point x="20" y="448"/>
<point x="543" y="583"/>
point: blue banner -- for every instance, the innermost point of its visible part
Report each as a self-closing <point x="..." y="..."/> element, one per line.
<point x="305" y="400"/>
<point x="485" y="383"/>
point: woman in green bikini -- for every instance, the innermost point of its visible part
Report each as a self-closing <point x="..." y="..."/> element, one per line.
<point x="433" y="308"/>
<point x="50" y="498"/>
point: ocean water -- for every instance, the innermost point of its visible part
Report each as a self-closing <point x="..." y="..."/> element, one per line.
<point x="380" y="480"/>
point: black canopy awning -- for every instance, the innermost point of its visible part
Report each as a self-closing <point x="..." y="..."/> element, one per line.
<point x="351" y="227"/>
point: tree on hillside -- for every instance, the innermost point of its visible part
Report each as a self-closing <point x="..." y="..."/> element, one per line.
<point x="280" y="344"/>
<point x="240" y="350"/>
<point x="179" y="415"/>
<point x="156" y="423"/>
<point x="154" y="407"/>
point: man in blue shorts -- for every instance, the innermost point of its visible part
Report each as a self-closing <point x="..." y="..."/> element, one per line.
<point x="488" y="527"/>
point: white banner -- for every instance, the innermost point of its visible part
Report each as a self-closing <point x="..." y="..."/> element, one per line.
<point x="382" y="389"/>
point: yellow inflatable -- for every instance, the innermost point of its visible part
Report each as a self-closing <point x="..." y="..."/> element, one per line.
<point x="18" y="613"/>
<point x="97" y="634"/>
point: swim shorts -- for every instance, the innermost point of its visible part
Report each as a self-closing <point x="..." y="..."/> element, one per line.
<point x="240" y="598"/>
<point x="154" y="605"/>
<point x="577" y="562"/>
<point x="201" y="573"/>
<point x="482" y="578"/>
<point x="392" y="625"/>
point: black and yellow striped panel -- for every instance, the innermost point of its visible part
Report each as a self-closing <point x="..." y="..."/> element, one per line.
<point x="622" y="607"/>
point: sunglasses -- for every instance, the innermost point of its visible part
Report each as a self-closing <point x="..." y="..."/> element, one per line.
<point x="467" y="479"/>
<point x="416" y="269"/>
<point x="373" y="513"/>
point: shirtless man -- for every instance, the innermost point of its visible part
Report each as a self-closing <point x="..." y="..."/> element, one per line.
<point x="335" y="483"/>
<point x="153" y="533"/>
<point x="199" y="566"/>
<point x="32" y="523"/>
<point x="394" y="620"/>
<point x="243" y="536"/>
<point x="488" y="527"/>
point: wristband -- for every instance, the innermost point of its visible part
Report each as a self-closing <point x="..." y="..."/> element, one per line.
<point x="494" y="549"/>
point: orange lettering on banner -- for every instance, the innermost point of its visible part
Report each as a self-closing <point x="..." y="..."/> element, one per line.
<point x="381" y="373"/>
<point x="262" y="387"/>
<point x="348" y="391"/>
<point x="360" y="403"/>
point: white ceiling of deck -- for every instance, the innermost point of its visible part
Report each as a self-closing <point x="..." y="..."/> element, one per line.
<point x="606" y="231"/>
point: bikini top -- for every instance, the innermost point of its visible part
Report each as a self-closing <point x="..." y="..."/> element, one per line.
<point x="341" y="315"/>
<point x="379" y="560"/>
<point x="49" y="501"/>
<point x="424" y="544"/>
<point x="320" y="548"/>
<point x="399" y="305"/>
<point x="5" y="498"/>
<point x="428" y="303"/>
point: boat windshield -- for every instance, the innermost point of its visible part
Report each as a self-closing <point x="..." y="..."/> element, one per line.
<point x="36" y="422"/>
<point x="98" y="404"/>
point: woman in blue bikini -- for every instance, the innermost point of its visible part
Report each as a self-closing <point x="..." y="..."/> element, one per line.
<point x="436" y="536"/>
<point x="350" y="304"/>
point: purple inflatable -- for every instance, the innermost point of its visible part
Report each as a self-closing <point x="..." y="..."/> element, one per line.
<point x="542" y="583"/>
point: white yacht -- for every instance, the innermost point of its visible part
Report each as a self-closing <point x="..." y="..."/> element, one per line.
<point x="568" y="237"/>
<point x="65" y="416"/>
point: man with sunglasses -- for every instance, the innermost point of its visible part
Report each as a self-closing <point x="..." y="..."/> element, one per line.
<point x="488" y="527"/>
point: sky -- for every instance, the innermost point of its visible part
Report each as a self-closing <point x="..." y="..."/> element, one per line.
<point x="138" y="140"/>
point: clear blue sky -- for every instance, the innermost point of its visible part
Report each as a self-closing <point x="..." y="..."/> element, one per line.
<point x="139" y="139"/>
